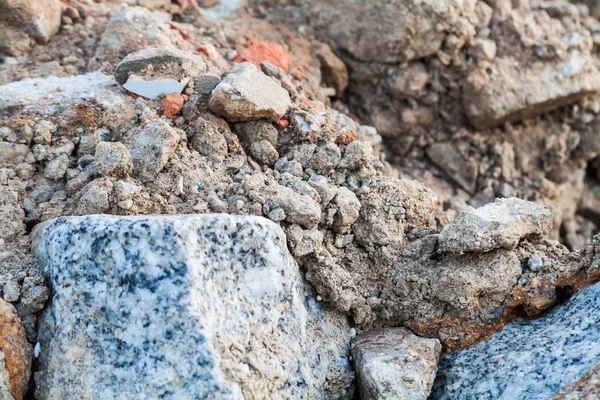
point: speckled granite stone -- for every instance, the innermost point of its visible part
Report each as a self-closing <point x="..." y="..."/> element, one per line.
<point x="533" y="359"/>
<point x="183" y="307"/>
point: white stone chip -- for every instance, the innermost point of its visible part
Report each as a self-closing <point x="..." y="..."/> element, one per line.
<point x="153" y="89"/>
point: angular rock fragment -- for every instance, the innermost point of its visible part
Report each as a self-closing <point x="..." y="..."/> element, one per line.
<point x="208" y="306"/>
<point x="132" y="29"/>
<point x="535" y="359"/>
<point x="21" y="21"/>
<point x="113" y="159"/>
<point x="509" y="91"/>
<point x="12" y="154"/>
<point x="391" y="31"/>
<point x="158" y="71"/>
<point x="15" y="354"/>
<point x="151" y="148"/>
<point x="501" y="224"/>
<point x="393" y="363"/>
<point x="247" y="94"/>
<point x="333" y="71"/>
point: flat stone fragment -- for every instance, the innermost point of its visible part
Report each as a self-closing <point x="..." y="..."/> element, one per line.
<point x="15" y="354"/>
<point x="508" y="91"/>
<point x="154" y="72"/>
<point x="501" y="224"/>
<point x="247" y="94"/>
<point x="393" y="363"/>
<point x="183" y="307"/>
<point x="534" y="359"/>
<point x="152" y="89"/>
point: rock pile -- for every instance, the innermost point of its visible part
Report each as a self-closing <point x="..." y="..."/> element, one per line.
<point x="153" y="115"/>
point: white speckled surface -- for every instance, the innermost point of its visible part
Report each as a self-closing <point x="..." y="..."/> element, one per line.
<point x="181" y="307"/>
<point x="527" y="360"/>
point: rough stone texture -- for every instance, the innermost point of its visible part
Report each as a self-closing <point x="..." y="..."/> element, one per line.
<point x="15" y="354"/>
<point x="531" y="359"/>
<point x="187" y="307"/>
<point x="12" y="154"/>
<point x="502" y="224"/>
<point x="113" y="159"/>
<point x="154" y="63"/>
<point x="151" y="148"/>
<point x="392" y="30"/>
<point x="509" y="91"/>
<point x="132" y="29"/>
<point x="393" y="363"/>
<point x="333" y="70"/>
<point x="20" y="20"/>
<point x="246" y="93"/>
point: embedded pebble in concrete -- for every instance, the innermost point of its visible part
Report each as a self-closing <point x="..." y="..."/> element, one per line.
<point x="184" y="307"/>
<point x="527" y="360"/>
<point x="501" y="224"/>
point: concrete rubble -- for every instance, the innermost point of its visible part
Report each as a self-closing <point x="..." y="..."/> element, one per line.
<point x="432" y="168"/>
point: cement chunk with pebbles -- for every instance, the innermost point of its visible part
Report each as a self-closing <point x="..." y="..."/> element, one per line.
<point x="151" y="148"/>
<point x="185" y="307"/>
<point x="535" y="359"/>
<point x="113" y="159"/>
<point x="246" y="94"/>
<point x="501" y="224"/>
<point x="394" y="363"/>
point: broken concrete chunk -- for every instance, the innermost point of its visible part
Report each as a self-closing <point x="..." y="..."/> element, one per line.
<point x="333" y="71"/>
<point x="536" y="359"/>
<point x="151" y="147"/>
<point x="22" y="20"/>
<point x="12" y="154"/>
<point x="15" y="354"/>
<point x="501" y="224"/>
<point x="348" y="208"/>
<point x="394" y="363"/>
<point x="183" y="307"/>
<point x="247" y="94"/>
<point x="391" y="31"/>
<point x="299" y="208"/>
<point x="132" y="29"/>
<point x="113" y="159"/>
<point x="509" y="91"/>
<point x="158" y="71"/>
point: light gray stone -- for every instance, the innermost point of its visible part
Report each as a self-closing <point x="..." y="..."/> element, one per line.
<point x="247" y="94"/>
<point x="183" y="307"/>
<point x="395" y="364"/>
<point x="113" y="159"/>
<point x="533" y="359"/>
<point x="501" y="224"/>
<point x="151" y="147"/>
